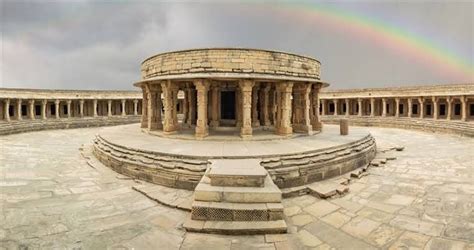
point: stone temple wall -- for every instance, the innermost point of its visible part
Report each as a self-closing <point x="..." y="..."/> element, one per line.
<point x="229" y="60"/>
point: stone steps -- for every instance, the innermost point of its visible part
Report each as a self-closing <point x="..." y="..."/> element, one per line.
<point x="226" y="211"/>
<point x="270" y="193"/>
<point x="236" y="227"/>
<point x="236" y="197"/>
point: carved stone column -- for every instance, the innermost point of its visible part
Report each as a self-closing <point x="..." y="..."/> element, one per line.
<point x="410" y="107"/>
<point x="18" y="109"/>
<point x="384" y="107"/>
<point x="124" y="111"/>
<point x="214" y="105"/>
<point x="284" y="126"/>
<point x="397" y="107"/>
<point x="255" y="121"/>
<point x="154" y="106"/>
<point x="315" y="118"/>
<point x="135" y="107"/>
<point x="185" y="105"/>
<point x="347" y="107"/>
<point x="238" y="107"/>
<point x="335" y="101"/>
<point x="202" y="87"/>
<point x="372" y="107"/>
<point x="43" y="109"/>
<point x="246" y="87"/>
<point x="323" y="109"/>
<point x="265" y="105"/>
<point x="31" y="109"/>
<point x="192" y="108"/>
<point x="6" y="110"/>
<point x="170" y="125"/>
<point x="301" y="115"/>
<point x="68" y="107"/>
<point x="144" y="119"/>
<point x="449" y="100"/>
<point x="56" y="106"/>
<point x="435" y="107"/>
<point x="463" y="108"/>
<point x="422" y="107"/>
<point x="94" y="107"/>
<point x="359" y="103"/>
<point x="81" y="108"/>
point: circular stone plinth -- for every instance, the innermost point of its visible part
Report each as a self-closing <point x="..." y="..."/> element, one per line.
<point x="181" y="163"/>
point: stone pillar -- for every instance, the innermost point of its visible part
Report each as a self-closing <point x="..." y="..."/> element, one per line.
<point x="68" y="107"/>
<point x="214" y="106"/>
<point x="449" y="100"/>
<point x="435" y="107"/>
<point x="397" y="107"/>
<point x="109" y="108"/>
<point x="135" y="107"/>
<point x="153" y="106"/>
<point x="384" y="107"/>
<point x="315" y="118"/>
<point x="422" y="107"/>
<point x="335" y="107"/>
<point x="301" y="108"/>
<point x="372" y="107"/>
<point x="43" y="109"/>
<point x="56" y="106"/>
<point x="238" y="106"/>
<point x="185" y="105"/>
<point x="323" y="109"/>
<point x="410" y="107"/>
<point x="124" y="103"/>
<point x="169" y="90"/>
<point x="144" y="119"/>
<point x="359" y="103"/>
<point x="81" y="108"/>
<point x="94" y="107"/>
<point x="6" y="110"/>
<point x="463" y="108"/>
<point x="284" y="122"/>
<point x="265" y="105"/>
<point x="255" y="121"/>
<point x="344" y="126"/>
<point x="347" y="107"/>
<point x="202" y="87"/>
<point x="18" y="108"/>
<point x="246" y="95"/>
<point x="31" y="109"/>
<point x="192" y="110"/>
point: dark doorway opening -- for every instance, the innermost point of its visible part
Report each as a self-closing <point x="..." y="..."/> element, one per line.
<point x="228" y="105"/>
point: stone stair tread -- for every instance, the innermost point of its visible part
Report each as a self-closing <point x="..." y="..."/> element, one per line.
<point x="239" y="167"/>
<point x="236" y="227"/>
<point x="239" y="206"/>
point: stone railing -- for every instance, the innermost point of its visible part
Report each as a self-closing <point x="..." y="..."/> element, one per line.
<point x="439" y="108"/>
<point x="23" y="110"/>
<point x="230" y="60"/>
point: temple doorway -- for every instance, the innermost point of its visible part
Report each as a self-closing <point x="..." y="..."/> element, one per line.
<point x="228" y="105"/>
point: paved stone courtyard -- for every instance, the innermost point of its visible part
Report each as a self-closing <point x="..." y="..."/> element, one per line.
<point x="51" y="198"/>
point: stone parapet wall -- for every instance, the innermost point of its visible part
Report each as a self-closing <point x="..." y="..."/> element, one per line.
<point x="23" y="126"/>
<point x="15" y="93"/>
<point x="230" y="60"/>
<point x="428" y="125"/>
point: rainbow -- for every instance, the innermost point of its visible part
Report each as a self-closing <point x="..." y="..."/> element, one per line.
<point x="395" y="38"/>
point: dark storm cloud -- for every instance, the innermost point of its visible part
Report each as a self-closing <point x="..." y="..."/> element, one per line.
<point x="99" y="45"/>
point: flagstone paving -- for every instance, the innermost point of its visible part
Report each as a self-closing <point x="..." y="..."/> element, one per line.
<point x="51" y="198"/>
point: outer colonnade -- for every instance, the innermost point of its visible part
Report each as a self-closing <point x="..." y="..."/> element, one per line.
<point x="18" y="109"/>
<point x="436" y="107"/>
<point x="285" y="106"/>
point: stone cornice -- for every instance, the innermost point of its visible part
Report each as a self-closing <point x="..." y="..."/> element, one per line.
<point x="16" y="93"/>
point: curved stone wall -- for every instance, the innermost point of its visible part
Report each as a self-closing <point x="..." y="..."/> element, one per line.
<point x="185" y="172"/>
<point x="437" y="108"/>
<point x="230" y="60"/>
<point x="24" y="110"/>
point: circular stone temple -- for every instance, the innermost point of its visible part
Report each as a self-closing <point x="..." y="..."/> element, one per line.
<point x="238" y="103"/>
<point x="245" y="89"/>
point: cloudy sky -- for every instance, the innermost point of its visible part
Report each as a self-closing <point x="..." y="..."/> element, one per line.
<point x="100" y="44"/>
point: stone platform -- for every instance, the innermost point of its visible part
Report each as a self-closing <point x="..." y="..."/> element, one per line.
<point x="182" y="163"/>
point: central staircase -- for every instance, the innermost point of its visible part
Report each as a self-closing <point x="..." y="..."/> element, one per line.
<point x="236" y="197"/>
